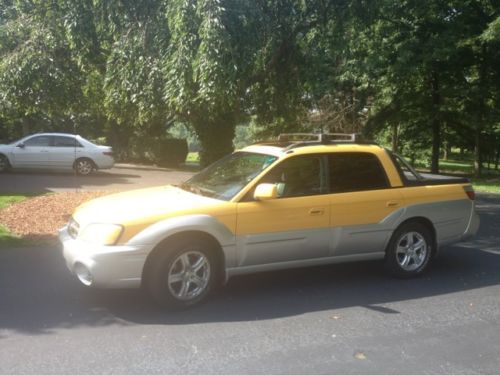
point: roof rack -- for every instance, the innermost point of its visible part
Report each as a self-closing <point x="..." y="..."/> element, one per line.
<point x="326" y="138"/>
<point x="294" y="140"/>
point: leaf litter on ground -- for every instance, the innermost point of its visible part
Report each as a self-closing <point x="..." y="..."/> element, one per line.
<point x="38" y="219"/>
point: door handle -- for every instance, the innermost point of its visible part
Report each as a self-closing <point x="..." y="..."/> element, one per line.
<point x="44" y="151"/>
<point x="316" y="211"/>
<point x="392" y="203"/>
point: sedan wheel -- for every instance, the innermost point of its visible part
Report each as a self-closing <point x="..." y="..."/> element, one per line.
<point x="4" y="164"/>
<point x="409" y="250"/>
<point x="84" y="167"/>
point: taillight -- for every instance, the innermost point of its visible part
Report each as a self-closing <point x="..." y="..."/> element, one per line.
<point x="470" y="192"/>
<point x="108" y="153"/>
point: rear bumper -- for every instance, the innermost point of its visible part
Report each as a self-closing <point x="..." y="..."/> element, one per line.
<point x="105" y="162"/>
<point x="472" y="227"/>
<point x="103" y="266"/>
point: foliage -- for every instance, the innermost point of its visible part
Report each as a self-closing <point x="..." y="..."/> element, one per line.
<point x="171" y="152"/>
<point x="420" y="76"/>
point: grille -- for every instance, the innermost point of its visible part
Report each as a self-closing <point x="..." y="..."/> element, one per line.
<point x="73" y="228"/>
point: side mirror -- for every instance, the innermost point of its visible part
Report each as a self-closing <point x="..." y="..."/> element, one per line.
<point x="265" y="192"/>
<point x="20" y="145"/>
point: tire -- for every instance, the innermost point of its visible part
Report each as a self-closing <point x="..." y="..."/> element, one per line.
<point x="409" y="250"/>
<point x="84" y="167"/>
<point x="4" y="164"/>
<point x="183" y="275"/>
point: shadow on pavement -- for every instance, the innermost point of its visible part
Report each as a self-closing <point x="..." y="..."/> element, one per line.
<point x="38" y="295"/>
<point x="41" y="182"/>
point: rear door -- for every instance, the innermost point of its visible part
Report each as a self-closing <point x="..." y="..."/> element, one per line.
<point x="32" y="153"/>
<point x="363" y="204"/>
<point x="64" y="151"/>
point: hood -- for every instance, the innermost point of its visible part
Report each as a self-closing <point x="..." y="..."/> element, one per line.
<point x="142" y="206"/>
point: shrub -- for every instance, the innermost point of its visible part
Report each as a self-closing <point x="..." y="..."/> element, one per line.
<point x="170" y="152"/>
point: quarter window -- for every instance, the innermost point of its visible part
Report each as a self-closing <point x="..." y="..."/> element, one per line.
<point x="356" y="171"/>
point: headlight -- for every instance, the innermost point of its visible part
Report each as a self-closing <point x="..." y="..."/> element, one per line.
<point x="103" y="234"/>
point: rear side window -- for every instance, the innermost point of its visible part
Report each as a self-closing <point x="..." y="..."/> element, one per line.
<point x="65" y="142"/>
<point x="356" y="171"/>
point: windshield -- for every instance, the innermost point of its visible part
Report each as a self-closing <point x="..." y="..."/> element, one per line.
<point x="225" y="178"/>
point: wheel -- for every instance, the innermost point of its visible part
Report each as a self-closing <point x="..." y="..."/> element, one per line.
<point x="4" y="163"/>
<point x="409" y="250"/>
<point x="84" y="167"/>
<point x="183" y="274"/>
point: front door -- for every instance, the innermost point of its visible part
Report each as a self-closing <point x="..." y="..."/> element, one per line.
<point x="32" y="153"/>
<point x="293" y="227"/>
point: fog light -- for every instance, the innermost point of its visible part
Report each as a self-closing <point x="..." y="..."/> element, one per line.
<point x="83" y="274"/>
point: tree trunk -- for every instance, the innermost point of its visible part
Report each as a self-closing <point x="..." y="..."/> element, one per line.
<point x="216" y="138"/>
<point x="478" y="162"/>
<point x="478" y="167"/>
<point x="497" y="157"/>
<point x="395" y="137"/>
<point x="446" y="145"/>
<point x="436" y="125"/>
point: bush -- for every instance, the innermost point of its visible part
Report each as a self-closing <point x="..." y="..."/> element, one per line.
<point x="170" y="152"/>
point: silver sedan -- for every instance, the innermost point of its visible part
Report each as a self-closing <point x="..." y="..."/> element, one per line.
<point x="56" y="151"/>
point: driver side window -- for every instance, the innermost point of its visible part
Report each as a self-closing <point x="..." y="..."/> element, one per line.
<point x="298" y="176"/>
<point x="41" y="141"/>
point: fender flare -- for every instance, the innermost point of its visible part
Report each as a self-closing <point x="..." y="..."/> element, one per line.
<point x="161" y="230"/>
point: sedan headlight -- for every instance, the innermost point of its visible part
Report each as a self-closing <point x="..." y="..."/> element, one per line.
<point x="102" y="234"/>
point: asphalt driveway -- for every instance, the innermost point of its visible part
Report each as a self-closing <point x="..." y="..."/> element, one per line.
<point x="341" y="319"/>
<point x="121" y="177"/>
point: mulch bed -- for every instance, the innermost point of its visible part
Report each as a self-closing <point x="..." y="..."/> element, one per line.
<point x="38" y="219"/>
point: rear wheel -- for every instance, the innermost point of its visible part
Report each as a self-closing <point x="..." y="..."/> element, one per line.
<point x="183" y="275"/>
<point x="84" y="167"/>
<point x="4" y="163"/>
<point x="409" y="250"/>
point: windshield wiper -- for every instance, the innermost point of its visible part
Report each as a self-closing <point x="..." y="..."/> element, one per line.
<point x="197" y="190"/>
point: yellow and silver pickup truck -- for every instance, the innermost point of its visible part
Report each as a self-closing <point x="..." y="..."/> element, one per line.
<point x="303" y="200"/>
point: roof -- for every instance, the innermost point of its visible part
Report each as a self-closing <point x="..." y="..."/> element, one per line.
<point x="50" y="134"/>
<point x="305" y="143"/>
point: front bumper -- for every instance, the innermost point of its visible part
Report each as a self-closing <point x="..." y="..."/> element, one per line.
<point x="104" y="266"/>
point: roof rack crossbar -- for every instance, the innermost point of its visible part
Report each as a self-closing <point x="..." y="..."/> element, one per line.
<point x="294" y="140"/>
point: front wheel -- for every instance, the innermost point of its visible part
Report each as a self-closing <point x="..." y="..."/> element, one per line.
<point x="182" y="275"/>
<point x="409" y="250"/>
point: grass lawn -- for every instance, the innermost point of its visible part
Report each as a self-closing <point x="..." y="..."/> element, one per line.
<point x="7" y="239"/>
<point x="489" y="183"/>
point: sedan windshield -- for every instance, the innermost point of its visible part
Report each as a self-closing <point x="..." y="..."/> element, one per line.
<point x="225" y="178"/>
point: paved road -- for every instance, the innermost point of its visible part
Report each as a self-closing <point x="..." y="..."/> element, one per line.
<point x="121" y="177"/>
<point x="341" y="319"/>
